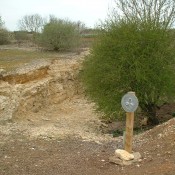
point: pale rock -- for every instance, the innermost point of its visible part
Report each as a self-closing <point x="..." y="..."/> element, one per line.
<point x="160" y="136"/>
<point x="118" y="161"/>
<point x="129" y="162"/>
<point x="124" y="155"/>
<point x="137" y="156"/>
<point x="2" y="70"/>
<point x="115" y="160"/>
<point x="3" y="101"/>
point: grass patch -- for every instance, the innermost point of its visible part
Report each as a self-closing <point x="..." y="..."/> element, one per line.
<point x="11" y="59"/>
<point x="117" y="133"/>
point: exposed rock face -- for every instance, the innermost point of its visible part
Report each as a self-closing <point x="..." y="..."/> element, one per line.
<point x="36" y="85"/>
<point x="35" y="70"/>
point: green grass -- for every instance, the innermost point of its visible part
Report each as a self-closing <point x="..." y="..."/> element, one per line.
<point x="10" y="59"/>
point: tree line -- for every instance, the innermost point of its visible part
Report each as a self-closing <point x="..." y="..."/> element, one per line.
<point x="54" y="34"/>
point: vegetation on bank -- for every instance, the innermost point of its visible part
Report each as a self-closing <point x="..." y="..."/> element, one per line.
<point x="60" y="35"/>
<point x="53" y="34"/>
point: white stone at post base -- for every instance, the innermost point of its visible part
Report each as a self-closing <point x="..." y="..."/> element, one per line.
<point x="122" y="157"/>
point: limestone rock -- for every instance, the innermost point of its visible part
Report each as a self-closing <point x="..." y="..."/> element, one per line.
<point x="123" y="158"/>
<point x="129" y="162"/>
<point x="2" y="71"/>
<point x="137" y="156"/>
<point x="118" y="161"/>
<point x="115" y="160"/>
<point x="124" y="155"/>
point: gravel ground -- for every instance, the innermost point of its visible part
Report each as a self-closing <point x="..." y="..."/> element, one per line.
<point x="70" y="143"/>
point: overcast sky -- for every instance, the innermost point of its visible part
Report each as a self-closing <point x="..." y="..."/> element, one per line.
<point x="87" y="11"/>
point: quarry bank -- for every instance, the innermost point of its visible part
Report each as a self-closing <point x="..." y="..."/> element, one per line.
<point x="35" y="85"/>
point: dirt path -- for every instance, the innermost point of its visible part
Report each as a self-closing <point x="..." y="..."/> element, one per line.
<point x="51" y="105"/>
<point x="75" y="117"/>
<point x="72" y="156"/>
<point x="65" y="139"/>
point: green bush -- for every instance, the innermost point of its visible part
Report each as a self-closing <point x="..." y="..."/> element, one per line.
<point x="21" y="36"/>
<point x="60" y="35"/>
<point x="4" y="36"/>
<point x="131" y="55"/>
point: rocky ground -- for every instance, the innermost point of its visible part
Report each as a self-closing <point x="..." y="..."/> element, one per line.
<point x="65" y="138"/>
<point x="71" y="143"/>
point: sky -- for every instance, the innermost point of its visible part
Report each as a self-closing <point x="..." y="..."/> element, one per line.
<point x="87" y="11"/>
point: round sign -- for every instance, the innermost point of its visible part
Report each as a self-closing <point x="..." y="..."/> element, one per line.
<point x="129" y="102"/>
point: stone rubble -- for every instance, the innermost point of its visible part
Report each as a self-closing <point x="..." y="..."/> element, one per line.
<point x="123" y="158"/>
<point x="123" y="155"/>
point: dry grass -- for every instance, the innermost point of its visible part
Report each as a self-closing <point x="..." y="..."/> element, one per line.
<point x="10" y="59"/>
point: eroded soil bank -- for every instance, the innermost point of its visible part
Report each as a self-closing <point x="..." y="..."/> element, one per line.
<point x="37" y="85"/>
<point x="44" y="99"/>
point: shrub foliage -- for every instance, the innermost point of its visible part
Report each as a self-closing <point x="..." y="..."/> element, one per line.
<point x="60" y="35"/>
<point x="4" y="34"/>
<point x="134" y="52"/>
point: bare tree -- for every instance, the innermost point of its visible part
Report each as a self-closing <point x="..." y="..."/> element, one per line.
<point x="32" y="23"/>
<point x="1" y="23"/>
<point x="158" y="12"/>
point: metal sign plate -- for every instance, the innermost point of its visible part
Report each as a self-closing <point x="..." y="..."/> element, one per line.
<point x="129" y="102"/>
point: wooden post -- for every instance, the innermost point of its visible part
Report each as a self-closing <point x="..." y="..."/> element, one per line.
<point x="129" y="130"/>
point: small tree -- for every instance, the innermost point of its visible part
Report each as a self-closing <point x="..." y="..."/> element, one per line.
<point x="1" y="22"/>
<point x="134" y="52"/>
<point x="60" y="35"/>
<point x="4" y="37"/>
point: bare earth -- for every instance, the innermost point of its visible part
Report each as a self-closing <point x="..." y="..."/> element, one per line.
<point x="66" y="139"/>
